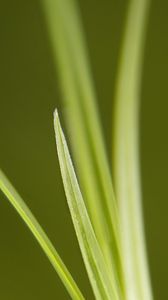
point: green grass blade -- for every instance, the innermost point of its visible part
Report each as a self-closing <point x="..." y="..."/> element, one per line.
<point x="82" y="119"/>
<point x="94" y="261"/>
<point x="126" y="156"/>
<point x="24" y="212"/>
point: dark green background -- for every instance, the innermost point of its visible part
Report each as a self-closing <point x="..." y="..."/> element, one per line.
<point x="29" y="92"/>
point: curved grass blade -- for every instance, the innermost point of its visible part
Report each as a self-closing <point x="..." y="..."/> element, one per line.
<point x="24" y="212"/>
<point x="126" y="156"/>
<point x="97" y="270"/>
<point x="82" y="119"/>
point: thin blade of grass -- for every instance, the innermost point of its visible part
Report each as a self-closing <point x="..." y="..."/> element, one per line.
<point x="82" y="119"/>
<point x="27" y="216"/>
<point x="95" y="265"/>
<point x="126" y="153"/>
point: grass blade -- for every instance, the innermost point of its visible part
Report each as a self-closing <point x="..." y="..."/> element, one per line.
<point x="82" y="119"/>
<point x="97" y="270"/>
<point x="24" y="212"/>
<point x="126" y="156"/>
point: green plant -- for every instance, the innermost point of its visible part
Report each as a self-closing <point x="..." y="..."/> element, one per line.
<point x="110" y="237"/>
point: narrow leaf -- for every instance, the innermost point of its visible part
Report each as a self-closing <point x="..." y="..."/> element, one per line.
<point x="81" y="116"/>
<point x="24" y="212"/>
<point x="97" y="270"/>
<point x="126" y="153"/>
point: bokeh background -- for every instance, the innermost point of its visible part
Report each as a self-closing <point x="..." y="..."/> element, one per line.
<point x="29" y="92"/>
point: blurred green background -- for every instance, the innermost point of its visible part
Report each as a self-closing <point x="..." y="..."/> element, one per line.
<point x="28" y="95"/>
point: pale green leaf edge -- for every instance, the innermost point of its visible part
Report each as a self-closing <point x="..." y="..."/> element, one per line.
<point x="103" y="287"/>
<point x="27" y="216"/>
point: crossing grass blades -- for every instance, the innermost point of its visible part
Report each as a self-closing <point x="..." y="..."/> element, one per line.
<point x="108" y="224"/>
